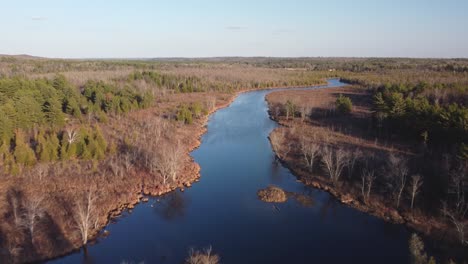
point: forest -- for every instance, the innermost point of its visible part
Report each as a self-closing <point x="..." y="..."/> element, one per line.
<point x="393" y="143"/>
<point x="99" y="135"/>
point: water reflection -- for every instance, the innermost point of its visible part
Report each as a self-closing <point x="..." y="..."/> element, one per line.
<point x="171" y="206"/>
<point x="223" y="209"/>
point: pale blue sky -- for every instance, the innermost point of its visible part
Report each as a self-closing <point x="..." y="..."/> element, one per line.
<point x="206" y="28"/>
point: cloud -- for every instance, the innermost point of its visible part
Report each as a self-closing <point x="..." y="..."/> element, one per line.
<point x="282" y="31"/>
<point x="235" y="28"/>
<point x="38" y="18"/>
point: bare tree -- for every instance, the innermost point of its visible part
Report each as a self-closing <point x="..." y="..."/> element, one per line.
<point x="15" y="203"/>
<point x="277" y="111"/>
<point x="33" y="211"/>
<point x="169" y="161"/>
<point x="305" y="111"/>
<point x="399" y="174"/>
<point x="457" y="218"/>
<point x="202" y="257"/>
<point x="127" y="161"/>
<point x="353" y="158"/>
<point x="310" y="150"/>
<point x="210" y="103"/>
<point x="72" y="135"/>
<point x="41" y="170"/>
<point x="456" y="210"/>
<point x="416" y="183"/>
<point x="457" y="188"/>
<point x="85" y="213"/>
<point x="115" y="167"/>
<point x="279" y="144"/>
<point x="367" y="180"/>
<point x="334" y="161"/>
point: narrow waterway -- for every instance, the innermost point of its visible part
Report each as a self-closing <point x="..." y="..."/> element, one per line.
<point x="222" y="209"/>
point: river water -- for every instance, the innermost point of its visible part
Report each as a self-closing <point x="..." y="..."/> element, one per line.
<point x="222" y="209"/>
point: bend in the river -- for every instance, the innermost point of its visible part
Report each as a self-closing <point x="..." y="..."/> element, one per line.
<point x="222" y="210"/>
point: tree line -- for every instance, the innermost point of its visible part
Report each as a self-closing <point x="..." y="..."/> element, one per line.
<point x="422" y="111"/>
<point x="44" y="120"/>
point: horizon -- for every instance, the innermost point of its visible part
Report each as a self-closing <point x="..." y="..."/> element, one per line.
<point x="231" y="57"/>
<point x="208" y="29"/>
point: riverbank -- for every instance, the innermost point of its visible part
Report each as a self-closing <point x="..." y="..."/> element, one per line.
<point x="117" y="191"/>
<point x="323" y="128"/>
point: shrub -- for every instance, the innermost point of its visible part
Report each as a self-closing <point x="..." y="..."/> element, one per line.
<point x="343" y="105"/>
<point x="272" y="194"/>
<point x="185" y="115"/>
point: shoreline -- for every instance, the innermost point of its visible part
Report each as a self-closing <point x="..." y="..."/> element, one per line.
<point x="434" y="228"/>
<point x="189" y="177"/>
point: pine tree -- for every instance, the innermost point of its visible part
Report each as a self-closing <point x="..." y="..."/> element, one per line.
<point x="41" y="148"/>
<point x="6" y="128"/>
<point x="53" y="113"/>
<point x="23" y="153"/>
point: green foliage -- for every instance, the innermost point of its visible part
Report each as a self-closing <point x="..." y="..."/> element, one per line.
<point x="23" y="153"/>
<point x="110" y="99"/>
<point x="405" y="108"/>
<point x="417" y="252"/>
<point x="343" y="105"/>
<point x="30" y="104"/>
<point x="184" y="114"/>
<point x="197" y="109"/>
<point x="47" y="146"/>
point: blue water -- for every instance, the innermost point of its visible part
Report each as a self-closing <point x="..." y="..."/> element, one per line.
<point x="222" y="210"/>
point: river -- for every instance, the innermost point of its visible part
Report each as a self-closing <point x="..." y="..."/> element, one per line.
<point x="222" y="209"/>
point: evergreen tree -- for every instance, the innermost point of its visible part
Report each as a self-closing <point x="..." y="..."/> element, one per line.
<point x="23" y="153"/>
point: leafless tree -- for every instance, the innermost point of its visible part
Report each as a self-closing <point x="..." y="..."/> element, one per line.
<point x="15" y="203"/>
<point x="310" y="151"/>
<point x="279" y="144"/>
<point x="456" y="210"/>
<point x="72" y="135"/>
<point x="416" y="183"/>
<point x="399" y="174"/>
<point x="277" y="111"/>
<point x="85" y="213"/>
<point x="33" y="211"/>
<point x="457" y="188"/>
<point x="354" y="156"/>
<point x="41" y="170"/>
<point x="210" y="103"/>
<point x="334" y="161"/>
<point x="127" y="161"/>
<point x="169" y="161"/>
<point x="305" y="111"/>
<point x="115" y="167"/>
<point x="367" y="180"/>
<point x="202" y="257"/>
<point x="457" y="218"/>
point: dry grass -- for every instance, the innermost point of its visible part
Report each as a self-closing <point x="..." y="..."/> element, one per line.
<point x="272" y="194"/>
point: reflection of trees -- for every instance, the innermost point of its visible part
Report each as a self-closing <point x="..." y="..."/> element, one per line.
<point x="87" y="258"/>
<point x="172" y="206"/>
<point x="275" y="171"/>
<point x="328" y="207"/>
<point x="304" y="200"/>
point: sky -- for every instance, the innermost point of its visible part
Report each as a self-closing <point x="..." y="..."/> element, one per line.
<point x="219" y="28"/>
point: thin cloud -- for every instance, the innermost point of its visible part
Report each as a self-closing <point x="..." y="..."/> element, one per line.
<point x="38" y="18"/>
<point x="282" y="31"/>
<point x="235" y="28"/>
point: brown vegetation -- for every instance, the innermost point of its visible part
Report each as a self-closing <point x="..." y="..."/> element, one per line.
<point x="272" y="194"/>
<point x="340" y="154"/>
